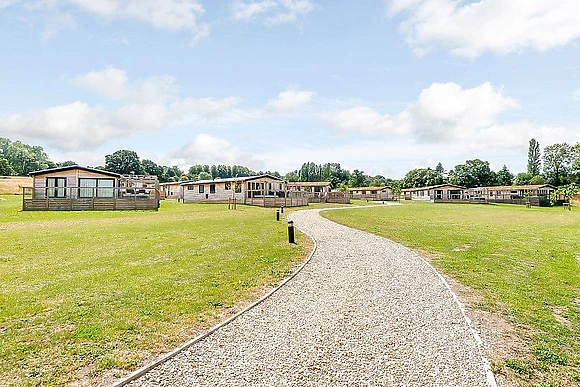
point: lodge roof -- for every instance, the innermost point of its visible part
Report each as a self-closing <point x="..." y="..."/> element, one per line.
<point x="516" y="187"/>
<point x="432" y="187"/>
<point x="370" y="188"/>
<point x="309" y="183"/>
<point x="71" y="167"/>
<point x="230" y="180"/>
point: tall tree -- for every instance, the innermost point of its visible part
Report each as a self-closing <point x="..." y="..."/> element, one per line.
<point x="124" y="162"/>
<point x="421" y="177"/>
<point x="357" y="178"/>
<point x="523" y="178"/>
<point x="534" y="158"/>
<point x="5" y="167"/>
<point x="505" y="177"/>
<point x="149" y="167"/>
<point x="474" y="173"/>
<point x="558" y="159"/>
<point x="24" y="158"/>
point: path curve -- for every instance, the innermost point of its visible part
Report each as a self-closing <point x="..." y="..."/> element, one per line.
<point x="365" y="311"/>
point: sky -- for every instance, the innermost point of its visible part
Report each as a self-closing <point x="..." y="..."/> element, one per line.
<point x="379" y="86"/>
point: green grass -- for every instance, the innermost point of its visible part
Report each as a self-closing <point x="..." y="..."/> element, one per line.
<point x="87" y="292"/>
<point x="522" y="263"/>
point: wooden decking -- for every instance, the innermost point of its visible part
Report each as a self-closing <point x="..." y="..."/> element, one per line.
<point x="116" y="199"/>
<point x="89" y="204"/>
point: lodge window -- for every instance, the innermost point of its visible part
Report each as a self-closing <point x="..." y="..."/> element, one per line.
<point x="212" y="188"/>
<point x="238" y="188"/>
<point x="201" y="188"/>
<point x="96" y="188"/>
<point x="56" y="187"/>
<point x="190" y="187"/>
<point x="228" y="186"/>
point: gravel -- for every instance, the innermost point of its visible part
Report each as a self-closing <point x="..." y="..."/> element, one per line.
<point x="363" y="312"/>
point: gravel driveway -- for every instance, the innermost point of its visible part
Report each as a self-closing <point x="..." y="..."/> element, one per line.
<point x="363" y="312"/>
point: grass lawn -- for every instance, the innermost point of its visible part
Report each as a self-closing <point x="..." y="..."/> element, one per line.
<point x="86" y="294"/>
<point x="521" y="263"/>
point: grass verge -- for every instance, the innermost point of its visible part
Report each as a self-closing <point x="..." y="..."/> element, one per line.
<point x="87" y="294"/>
<point x="521" y="263"/>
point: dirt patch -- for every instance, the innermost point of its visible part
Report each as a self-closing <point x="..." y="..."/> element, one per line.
<point x="557" y="313"/>
<point x="501" y="339"/>
<point x="465" y="247"/>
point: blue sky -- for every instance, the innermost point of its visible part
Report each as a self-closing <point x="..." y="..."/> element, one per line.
<point x="382" y="86"/>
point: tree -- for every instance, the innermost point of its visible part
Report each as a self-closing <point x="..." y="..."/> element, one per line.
<point x="5" y="167"/>
<point x="523" y="178"/>
<point x="151" y="168"/>
<point x="558" y="159"/>
<point x="357" y="179"/>
<point x="204" y="176"/>
<point x="567" y="191"/>
<point x="67" y="163"/>
<point x="24" y="158"/>
<point x="124" y="162"/>
<point x="537" y="180"/>
<point x="422" y="177"/>
<point x="534" y="158"/>
<point x="505" y="177"/>
<point x="292" y="176"/>
<point x="474" y="173"/>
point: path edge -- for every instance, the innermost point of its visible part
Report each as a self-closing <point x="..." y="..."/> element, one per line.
<point x="143" y="370"/>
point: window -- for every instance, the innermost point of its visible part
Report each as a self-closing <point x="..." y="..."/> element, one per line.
<point x="96" y="188"/>
<point x="238" y="187"/>
<point x="212" y="188"/>
<point x="201" y="188"/>
<point x="190" y="187"/>
<point x="56" y="187"/>
<point x="228" y="186"/>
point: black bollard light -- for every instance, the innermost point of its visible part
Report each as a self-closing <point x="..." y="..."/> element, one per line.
<point x="290" y="231"/>
<point x="278" y="215"/>
<point x="282" y="209"/>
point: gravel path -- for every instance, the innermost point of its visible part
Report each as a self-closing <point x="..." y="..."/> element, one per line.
<point x="363" y="312"/>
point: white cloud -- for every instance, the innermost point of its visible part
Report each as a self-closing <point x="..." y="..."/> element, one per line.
<point x="472" y="28"/>
<point x="518" y="134"/>
<point x="272" y="11"/>
<point x="445" y="111"/>
<point x="171" y="15"/>
<point x="6" y="3"/>
<point x="367" y="121"/>
<point x="207" y="149"/>
<point x="442" y="112"/>
<point x="151" y="104"/>
<point x="58" y="22"/>
<point x="290" y="100"/>
<point x="248" y="11"/>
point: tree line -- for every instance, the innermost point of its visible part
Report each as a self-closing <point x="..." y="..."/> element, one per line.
<point x="559" y="164"/>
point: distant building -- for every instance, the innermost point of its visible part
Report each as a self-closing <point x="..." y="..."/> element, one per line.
<point x="372" y="193"/>
<point x="436" y="193"/>
<point x="263" y="190"/>
<point x="76" y="188"/>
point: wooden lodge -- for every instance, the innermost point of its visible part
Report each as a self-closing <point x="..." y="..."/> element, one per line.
<point x="535" y="195"/>
<point x="319" y="192"/>
<point x="263" y="190"/>
<point x="171" y="190"/>
<point x="441" y="193"/>
<point x="372" y="193"/>
<point x="76" y="188"/>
